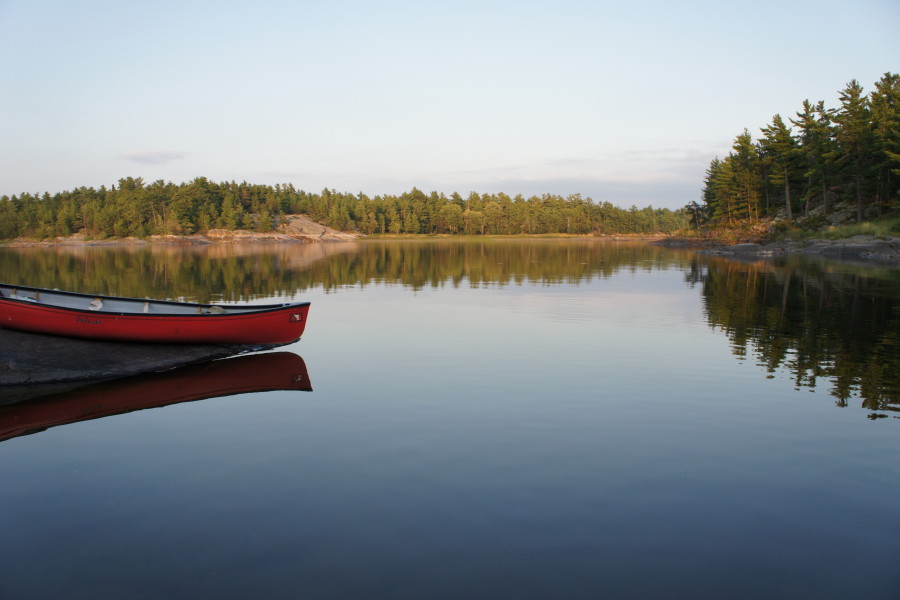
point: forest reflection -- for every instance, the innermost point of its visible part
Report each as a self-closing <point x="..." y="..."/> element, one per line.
<point x="216" y="273"/>
<point x="819" y="320"/>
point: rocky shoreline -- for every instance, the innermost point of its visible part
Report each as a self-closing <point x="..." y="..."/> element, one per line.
<point x="860" y="247"/>
<point x="300" y="229"/>
<point x="35" y="359"/>
<point x="296" y="229"/>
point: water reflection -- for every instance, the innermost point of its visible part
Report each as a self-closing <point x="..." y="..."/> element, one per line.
<point x="199" y="273"/>
<point x="469" y="442"/>
<point x="226" y="377"/>
<point x="820" y="320"/>
<point x="216" y="273"/>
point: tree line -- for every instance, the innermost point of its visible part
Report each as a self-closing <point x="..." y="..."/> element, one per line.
<point x="135" y="208"/>
<point x="821" y="156"/>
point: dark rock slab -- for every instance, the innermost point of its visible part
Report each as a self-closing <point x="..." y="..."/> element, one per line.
<point x="746" y="248"/>
<point x="37" y="359"/>
<point x="873" y="248"/>
<point x="747" y="251"/>
<point x="855" y="248"/>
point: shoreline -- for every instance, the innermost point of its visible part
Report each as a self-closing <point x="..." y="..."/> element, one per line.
<point x="860" y="247"/>
<point x="297" y="229"/>
<point x="326" y="235"/>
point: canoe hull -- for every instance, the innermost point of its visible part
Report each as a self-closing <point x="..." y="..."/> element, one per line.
<point x="273" y="324"/>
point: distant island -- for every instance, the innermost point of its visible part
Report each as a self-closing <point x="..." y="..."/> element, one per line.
<point x="134" y="209"/>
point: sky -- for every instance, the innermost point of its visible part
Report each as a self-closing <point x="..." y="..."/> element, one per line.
<point x="621" y="102"/>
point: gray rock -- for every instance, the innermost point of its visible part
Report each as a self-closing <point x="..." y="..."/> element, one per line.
<point x="36" y="359"/>
<point x="855" y="248"/>
<point x="865" y="247"/>
<point x="746" y="248"/>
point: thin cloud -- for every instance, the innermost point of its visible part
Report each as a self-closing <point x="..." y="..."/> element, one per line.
<point x="151" y="157"/>
<point x="616" y="170"/>
<point x="661" y="179"/>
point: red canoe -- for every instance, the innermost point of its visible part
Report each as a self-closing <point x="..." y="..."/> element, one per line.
<point x="136" y="320"/>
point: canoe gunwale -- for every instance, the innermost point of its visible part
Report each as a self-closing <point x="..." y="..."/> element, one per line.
<point x="231" y="310"/>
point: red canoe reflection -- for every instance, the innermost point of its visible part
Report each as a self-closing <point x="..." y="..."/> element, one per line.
<point x="226" y="377"/>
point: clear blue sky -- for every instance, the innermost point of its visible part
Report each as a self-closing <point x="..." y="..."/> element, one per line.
<point x="625" y="102"/>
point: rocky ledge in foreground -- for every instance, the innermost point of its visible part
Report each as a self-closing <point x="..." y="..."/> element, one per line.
<point x="858" y="247"/>
<point x="34" y="359"/>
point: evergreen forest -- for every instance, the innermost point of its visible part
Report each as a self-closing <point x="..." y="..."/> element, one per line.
<point x="135" y="208"/>
<point x="812" y="161"/>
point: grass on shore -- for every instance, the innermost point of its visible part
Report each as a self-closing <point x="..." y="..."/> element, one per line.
<point x="884" y="227"/>
<point x="762" y="232"/>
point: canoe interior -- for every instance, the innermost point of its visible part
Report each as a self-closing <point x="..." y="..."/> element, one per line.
<point x="115" y="305"/>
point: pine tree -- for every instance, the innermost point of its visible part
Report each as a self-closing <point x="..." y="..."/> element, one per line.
<point x="779" y="152"/>
<point x="885" y="104"/>
<point x="747" y="176"/>
<point x="855" y="138"/>
<point x="816" y="145"/>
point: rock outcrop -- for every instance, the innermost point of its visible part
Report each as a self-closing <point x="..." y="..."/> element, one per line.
<point x="34" y="359"/>
<point x="292" y="229"/>
<point x="857" y="247"/>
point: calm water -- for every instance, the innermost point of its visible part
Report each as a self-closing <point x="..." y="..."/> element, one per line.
<point x="488" y="420"/>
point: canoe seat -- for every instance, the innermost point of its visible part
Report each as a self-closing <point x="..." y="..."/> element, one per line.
<point x="96" y="304"/>
<point x="215" y="310"/>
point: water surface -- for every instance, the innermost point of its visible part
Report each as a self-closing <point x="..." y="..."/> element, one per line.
<point x="542" y="419"/>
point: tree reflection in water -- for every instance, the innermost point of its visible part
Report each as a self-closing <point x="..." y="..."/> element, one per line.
<point x="817" y="319"/>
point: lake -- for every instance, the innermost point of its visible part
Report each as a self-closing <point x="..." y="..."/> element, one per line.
<point x="487" y="419"/>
